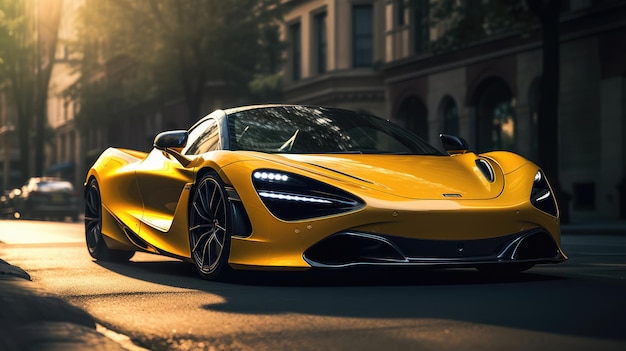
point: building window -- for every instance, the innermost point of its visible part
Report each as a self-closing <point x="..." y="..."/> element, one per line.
<point x="66" y="108"/>
<point x="400" y="7"/>
<point x="421" y="27"/>
<point x="362" y="35"/>
<point x="321" y="42"/>
<point x="295" y="31"/>
<point x="496" y="116"/>
<point x="450" y="114"/>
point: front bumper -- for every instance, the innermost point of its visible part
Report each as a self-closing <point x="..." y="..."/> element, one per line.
<point x="353" y="248"/>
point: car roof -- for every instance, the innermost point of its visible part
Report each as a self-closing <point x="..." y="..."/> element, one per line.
<point x="253" y="107"/>
<point x="231" y="110"/>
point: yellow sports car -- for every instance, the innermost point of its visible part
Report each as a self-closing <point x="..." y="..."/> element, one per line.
<point x="294" y="187"/>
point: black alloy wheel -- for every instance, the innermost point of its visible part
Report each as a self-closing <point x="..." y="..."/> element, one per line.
<point x="210" y="228"/>
<point x="93" y="228"/>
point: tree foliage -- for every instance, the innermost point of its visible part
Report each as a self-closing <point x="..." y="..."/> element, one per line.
<point x="16" y="71"/>
<point x="28" y="37"/>
<point x="462" y="23"/>
<point x="140" y="52"/>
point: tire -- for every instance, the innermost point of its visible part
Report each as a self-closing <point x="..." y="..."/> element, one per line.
<point x="210" y="223"/>
<point x="96" y="245"/>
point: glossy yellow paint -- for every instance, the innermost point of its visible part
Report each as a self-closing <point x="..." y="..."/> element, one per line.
<point x="120" y="192"/>
<point x="404" y="196"/>
<point x="278" y="243"/>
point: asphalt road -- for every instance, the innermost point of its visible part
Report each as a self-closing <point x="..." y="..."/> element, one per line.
<point x="162" y="305"/>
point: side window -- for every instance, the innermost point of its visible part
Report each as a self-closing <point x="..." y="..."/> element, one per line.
<point x="203" y="138"/>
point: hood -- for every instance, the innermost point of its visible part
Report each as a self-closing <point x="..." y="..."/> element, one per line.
<point x="411" y="176"/>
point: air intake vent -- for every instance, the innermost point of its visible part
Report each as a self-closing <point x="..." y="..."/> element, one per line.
<point x="486" y="169"/>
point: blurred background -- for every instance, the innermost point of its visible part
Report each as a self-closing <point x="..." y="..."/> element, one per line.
<point x="545" y="79"/>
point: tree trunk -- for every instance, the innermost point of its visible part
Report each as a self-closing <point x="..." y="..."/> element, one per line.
<point x="21" y="89"/>
<point x="48" y="28"/>
<point x="548" y="12"/>
<point x="23" y="131"/>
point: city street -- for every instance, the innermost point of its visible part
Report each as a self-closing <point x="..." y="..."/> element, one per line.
<point x="161" y="304"/>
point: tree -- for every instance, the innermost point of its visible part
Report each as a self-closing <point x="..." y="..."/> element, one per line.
<point x="464" y="23"/>
<point x="28" y="35"/>
<point x="156" y="49"/>
<point x="548" y="11"/>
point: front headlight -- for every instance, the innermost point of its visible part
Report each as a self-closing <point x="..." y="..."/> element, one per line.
<point x="541" y="196"/>
<point x="293" y="197"/>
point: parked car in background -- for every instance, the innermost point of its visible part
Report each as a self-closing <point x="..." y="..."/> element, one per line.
<point x="6" y="204"/>
<point x="47" y="198"/>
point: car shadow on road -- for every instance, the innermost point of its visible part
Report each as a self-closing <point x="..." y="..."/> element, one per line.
<point x="532" y="300"/>
<point x="183" y="275"/>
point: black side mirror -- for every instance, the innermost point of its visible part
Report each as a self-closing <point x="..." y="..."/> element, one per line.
<point x="171" y="139"/>
<point x="169" y="142"/>
<point x="453" y="144"/>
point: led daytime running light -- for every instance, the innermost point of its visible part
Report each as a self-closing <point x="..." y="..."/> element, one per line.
<point x="289" y="197"/>
<point x="293" y="197"/>
<point x="269" y="176"/>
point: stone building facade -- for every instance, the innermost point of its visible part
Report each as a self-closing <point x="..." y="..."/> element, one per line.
<point x="375" y="58"/>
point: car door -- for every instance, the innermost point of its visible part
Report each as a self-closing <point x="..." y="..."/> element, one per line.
<point x="161" y="180"/>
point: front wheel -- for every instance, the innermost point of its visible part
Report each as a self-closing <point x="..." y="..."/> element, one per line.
<point x="96" y="246"/>
<point x="210" y="227"/>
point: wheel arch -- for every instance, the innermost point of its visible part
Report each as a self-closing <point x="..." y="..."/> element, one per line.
<point x="241" y="225"/>
<point x="92" y="174"/>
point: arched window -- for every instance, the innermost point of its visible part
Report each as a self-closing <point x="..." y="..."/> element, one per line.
<point x="413" y="115"/>
<point x="449" y="115"/>
<point x="495" y="116"/>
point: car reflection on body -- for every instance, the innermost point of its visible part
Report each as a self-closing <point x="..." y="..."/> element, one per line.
<point x="298" y="187"/>
<point x="46" y="198"/>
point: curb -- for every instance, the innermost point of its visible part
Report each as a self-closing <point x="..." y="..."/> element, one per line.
<point x="32" y="319"/>
<point x="7" y="269"/>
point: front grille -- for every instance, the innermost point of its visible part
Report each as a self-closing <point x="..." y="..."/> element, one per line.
<point x="353" y="248"/>
<point x="350" y="248"/>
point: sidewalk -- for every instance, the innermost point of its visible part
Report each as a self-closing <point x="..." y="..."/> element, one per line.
<point x="595" y="227"/>
<point x="32" y="319"/>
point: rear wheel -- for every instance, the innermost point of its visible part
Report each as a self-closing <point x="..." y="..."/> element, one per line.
<point x="93" y="228"/>
<point x="209" y="228"/>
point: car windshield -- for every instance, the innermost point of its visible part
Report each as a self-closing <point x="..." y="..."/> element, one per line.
<point x="309" y="130"/>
